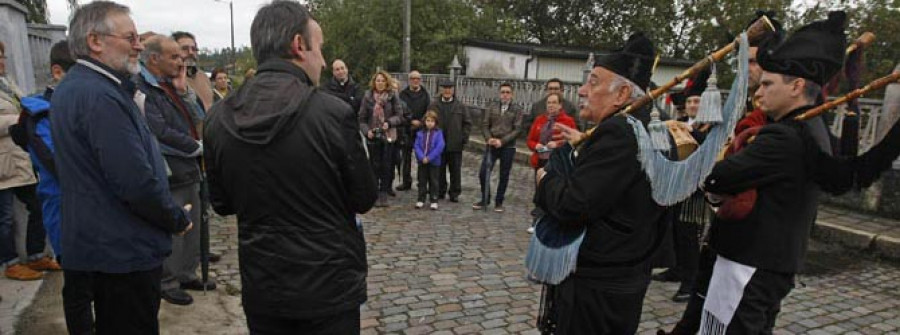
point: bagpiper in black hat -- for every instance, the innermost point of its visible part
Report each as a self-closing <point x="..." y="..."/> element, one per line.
<point x="814" y="52"/>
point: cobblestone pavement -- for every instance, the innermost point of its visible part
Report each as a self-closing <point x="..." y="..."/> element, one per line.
<point x="456" y="271"/>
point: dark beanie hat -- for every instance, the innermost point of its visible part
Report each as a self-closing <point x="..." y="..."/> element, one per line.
<point x="814" y="52"/>
<point x="634" y="61"/>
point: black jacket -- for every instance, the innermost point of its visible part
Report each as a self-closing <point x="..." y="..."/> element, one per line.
<point x="774" y="235"/>
<point x="300" y="251"/>
<point x="456" y="123"/>
<point x="172" y="128"/>
<point x="416" y="102"/>
<point x="350" y="92"/>
<point x="610" y="194"/>
<point x="416" y="105"/>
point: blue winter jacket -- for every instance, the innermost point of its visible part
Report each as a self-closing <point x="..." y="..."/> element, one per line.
<point x="117" y="213"/>
<point x="48" y="187"/>
<point x="435" y="138"/>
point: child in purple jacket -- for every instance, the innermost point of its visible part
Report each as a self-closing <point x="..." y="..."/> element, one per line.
<point x="429" y="146"/>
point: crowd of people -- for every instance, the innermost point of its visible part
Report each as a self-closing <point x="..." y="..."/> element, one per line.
<point x="118" y="160"/>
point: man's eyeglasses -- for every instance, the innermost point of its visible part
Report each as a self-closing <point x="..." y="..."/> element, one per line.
<point x="189" y="48"/>
<point x="554" y="88"/>
<point x="415" y="78"/>
<point x="131" y="38"/>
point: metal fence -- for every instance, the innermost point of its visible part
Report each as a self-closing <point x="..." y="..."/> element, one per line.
<point x="479" y="92"/>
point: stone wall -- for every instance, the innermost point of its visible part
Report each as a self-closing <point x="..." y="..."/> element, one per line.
<point x="14" y="34"/>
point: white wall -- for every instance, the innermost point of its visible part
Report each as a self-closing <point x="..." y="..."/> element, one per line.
<point x="494" y="64"/>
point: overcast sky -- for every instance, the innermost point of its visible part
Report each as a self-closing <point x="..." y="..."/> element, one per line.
<point x="206" y="19"/>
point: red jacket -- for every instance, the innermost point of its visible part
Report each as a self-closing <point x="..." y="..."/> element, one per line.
<point x="534" y="136"/>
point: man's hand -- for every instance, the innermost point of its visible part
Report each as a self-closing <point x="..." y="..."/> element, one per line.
<point x="180" y="82"/>
<point x="370" y="134"/>
<point x="570" y="134"/>
<point x="552" y="145"/>
<point x="539" y="175"/>
<point x="538" y="147"/>
<point x="425" y="160"/>
<point x="416" y="123"/>
<point x="187" y="209"/>
<point x="495" y="142"/>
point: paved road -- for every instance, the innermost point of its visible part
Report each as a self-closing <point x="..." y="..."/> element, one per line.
<point x="456" y="271"/>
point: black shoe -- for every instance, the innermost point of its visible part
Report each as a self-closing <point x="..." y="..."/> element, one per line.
<point x="196" y="285"/>
<point x="441" y="196"/>
<point x="454" y="199"/>
<point x="666" y="276"/>
<point x="381" y="201"/>
<point x="177" y="297"/>
<point x="681" y="296"/>
<point x="390" y="192"/>
<point x="404" y="187"/>
<point x="214" y="257"/>
<point x="478" y="205"/>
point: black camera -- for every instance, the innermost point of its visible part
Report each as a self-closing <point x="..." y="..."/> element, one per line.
<point x="378" y="134"/>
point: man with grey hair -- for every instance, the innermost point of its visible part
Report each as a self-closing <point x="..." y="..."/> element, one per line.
<point x="302" y="254"/>
<point x="116" y="207"/>
<point x="174" y="125"/>
<point x="608" y="194"/>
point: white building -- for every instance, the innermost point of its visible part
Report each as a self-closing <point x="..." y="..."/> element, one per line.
<point x="537" y="62"/>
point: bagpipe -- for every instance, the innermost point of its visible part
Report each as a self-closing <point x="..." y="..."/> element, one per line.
<point x="554" y="247"/>
<point x="553" y="251"/>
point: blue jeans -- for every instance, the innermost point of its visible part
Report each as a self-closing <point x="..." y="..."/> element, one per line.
<point x="35" y="234"/>
<point x="506" y="156"/>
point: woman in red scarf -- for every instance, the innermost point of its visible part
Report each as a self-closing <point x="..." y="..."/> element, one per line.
<point x="380" y="113"/>
<point x="543" y="138"/>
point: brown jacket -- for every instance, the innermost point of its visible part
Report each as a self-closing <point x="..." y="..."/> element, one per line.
<point x="506" y="127"/>
<point x="15" y="165"/>
<point x="201" y="85"/>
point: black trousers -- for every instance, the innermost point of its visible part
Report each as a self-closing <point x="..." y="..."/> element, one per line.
<point x="761" y="303"/>
<point x="428" y="175"/>
<point x="406" y="154"/>
<point x="690" y="319"/>
<point x="346" y="323"/>
<point x="451" y="161"/>
<point x="687" y="252"/>
<point x="586" y="306"/>
<point x="124" y="303"/>
<point x="758" y="309"/>
<point x="382" y="160"/>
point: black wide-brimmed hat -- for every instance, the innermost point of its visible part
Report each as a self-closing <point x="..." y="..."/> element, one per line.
<point x="814" y="52"/>
<point x="634" y="61"/>
<point x="446" y="83"/>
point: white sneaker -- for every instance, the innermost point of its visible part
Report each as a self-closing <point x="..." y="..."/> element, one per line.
<point x="434" y="206"/>
<point x="531" y="230"/>
<point x="420" y="205"/>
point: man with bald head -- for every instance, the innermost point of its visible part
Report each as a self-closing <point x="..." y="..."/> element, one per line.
<point x="342" y="85"/>
<point x="174" y="125"/>
<point x="416" y="98"/>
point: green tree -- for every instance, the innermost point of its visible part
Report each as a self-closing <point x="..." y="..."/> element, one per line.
<point x="368" y="34"/>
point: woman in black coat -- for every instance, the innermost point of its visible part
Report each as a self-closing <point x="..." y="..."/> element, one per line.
<point x="380" y="113"/>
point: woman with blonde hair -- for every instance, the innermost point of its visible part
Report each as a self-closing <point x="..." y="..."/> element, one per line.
<point x="380" y="113"/>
